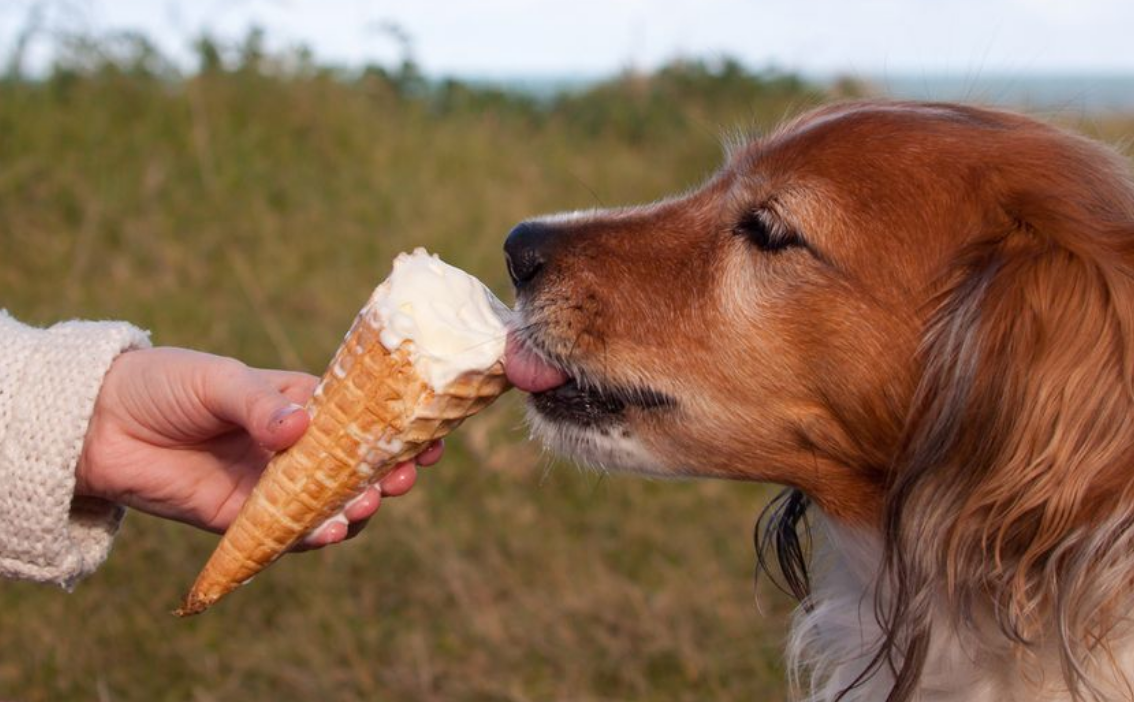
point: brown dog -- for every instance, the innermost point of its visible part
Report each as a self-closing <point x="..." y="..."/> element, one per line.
<point x="920" y="318"/>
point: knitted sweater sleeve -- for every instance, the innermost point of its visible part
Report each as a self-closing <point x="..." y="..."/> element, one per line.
<point x="49" y="380"/>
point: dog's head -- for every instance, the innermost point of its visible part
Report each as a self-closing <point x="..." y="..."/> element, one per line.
<point x="921" y="315"/>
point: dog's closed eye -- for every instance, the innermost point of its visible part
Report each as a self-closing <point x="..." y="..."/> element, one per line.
<point x="767" y="233"/>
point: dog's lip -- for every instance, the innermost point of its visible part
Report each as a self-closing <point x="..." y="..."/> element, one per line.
<point x="527" y="370"/>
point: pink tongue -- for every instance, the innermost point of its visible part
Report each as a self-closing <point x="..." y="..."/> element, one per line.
<point x="527" y="371"/>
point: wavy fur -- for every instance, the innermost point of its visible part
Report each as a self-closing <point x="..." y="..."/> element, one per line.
<point x="939" y="365"/>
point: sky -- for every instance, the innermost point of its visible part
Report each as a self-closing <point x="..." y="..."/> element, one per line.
<point x="486" y="38"/>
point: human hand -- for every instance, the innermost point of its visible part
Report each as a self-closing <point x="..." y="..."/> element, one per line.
<point x="185" y="435"/>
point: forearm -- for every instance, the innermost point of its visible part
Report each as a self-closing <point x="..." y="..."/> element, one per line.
<point x="49" y="381"/>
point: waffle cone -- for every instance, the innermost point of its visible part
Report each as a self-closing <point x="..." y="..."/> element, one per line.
<point x="371" y="411"/>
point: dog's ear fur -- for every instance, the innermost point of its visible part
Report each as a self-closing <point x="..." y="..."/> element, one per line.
<point x="1015" y="480"/>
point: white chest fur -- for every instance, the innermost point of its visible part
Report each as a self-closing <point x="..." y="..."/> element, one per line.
<point x="835" y="638"/>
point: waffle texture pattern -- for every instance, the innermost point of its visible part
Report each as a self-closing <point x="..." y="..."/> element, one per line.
<point x="49" y="381"/>
<point x="371" y="411"/>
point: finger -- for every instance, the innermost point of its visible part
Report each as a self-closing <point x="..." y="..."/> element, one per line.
<point x="237" y="394"/>
<point x="431" y="454"/>
<point x="363" y="506"/>
<point x="330" y="532"/>
<point x="297" y="387"/>
<point x="398" y="481"/>
<point x="286" y="424"/>
<point x="357" y="512"/>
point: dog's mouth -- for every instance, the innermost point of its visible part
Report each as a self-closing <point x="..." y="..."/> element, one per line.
<point x="574" y="396"/>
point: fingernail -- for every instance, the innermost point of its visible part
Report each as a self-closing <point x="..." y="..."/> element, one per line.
<point x="280" y="415"/>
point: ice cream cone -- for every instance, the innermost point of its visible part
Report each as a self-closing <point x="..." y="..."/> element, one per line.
<point x="373" y="409"/>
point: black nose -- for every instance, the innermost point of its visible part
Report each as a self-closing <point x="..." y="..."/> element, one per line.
<point x="527" y="250"/>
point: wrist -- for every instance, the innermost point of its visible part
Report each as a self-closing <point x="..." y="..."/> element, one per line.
<point x="83" y="485"/>
<point x="88" y="482"/>
<point x="89" y="469"/>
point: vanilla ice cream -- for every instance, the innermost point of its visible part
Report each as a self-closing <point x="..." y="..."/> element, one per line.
<point x="454" y="323"/>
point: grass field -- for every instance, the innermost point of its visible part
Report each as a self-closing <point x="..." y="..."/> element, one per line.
<point x="248" y="211"/>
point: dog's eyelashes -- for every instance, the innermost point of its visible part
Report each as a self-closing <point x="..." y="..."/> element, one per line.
<point x="766" y="233"/>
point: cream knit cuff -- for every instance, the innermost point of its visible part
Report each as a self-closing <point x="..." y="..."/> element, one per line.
<point x="49" y="381"/>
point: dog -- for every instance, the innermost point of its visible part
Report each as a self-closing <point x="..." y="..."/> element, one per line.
<point x="919" y="318"/>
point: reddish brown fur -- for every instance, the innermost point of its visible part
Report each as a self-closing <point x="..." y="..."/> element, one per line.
<point x="952" y="362"/>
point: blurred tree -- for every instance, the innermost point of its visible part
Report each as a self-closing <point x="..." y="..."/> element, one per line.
<point x="251" y="54"/>
<point x="209" y="59"/>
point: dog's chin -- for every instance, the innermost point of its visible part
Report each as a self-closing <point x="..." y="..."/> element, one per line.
<point x="582" y="415"/>
<point x="614" y="448"/>
<point x="595" y="427"/>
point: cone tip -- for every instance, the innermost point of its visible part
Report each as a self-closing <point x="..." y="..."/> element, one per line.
<point x="192" y="605"/>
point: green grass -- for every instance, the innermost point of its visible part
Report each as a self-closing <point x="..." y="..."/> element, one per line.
<point x="249" y="212"/>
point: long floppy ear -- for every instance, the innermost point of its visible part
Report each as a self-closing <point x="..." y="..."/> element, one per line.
<point x="1012" y="505"/>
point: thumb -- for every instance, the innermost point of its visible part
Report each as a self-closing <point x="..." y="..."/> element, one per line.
<point x="248" y="399"/>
